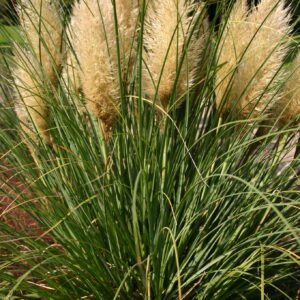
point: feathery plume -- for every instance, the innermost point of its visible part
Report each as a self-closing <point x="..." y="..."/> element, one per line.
<point x="37" y="68"/>
<point x="259" y="59"/>
<point x="232" y="44"/>
<point x="43" y="29"/>
<point x="30" y="107"/>
<point x="94" y="42"/>
<point x="167" y="29"/>
<point x="289" y="107"/>
<point x="260" y="67"/>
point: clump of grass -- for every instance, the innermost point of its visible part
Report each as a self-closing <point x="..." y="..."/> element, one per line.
<point x="179" y="211"/>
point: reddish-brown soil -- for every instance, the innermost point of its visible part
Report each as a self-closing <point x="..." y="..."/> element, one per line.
<point x="10" y="212"/>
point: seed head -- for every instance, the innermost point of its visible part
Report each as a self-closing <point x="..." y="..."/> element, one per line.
<point x="256" y="58"/>
<point x="167" y="30"/>
<point x="231" y="47"/>
<point x="30" y="106"/>
<point x="95" y="45"/>
<point x="37" y="65"/>
<point x="43" y="32"/>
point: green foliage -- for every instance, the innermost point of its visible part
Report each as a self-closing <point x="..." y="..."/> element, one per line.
<point x="7" y="34"/>
<point x="180" y="208"/>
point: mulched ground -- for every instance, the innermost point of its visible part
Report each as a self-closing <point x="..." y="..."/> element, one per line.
<point x="10" y="213"/>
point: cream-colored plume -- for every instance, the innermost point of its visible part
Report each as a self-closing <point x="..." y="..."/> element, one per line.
<point x="289" y="107"/>
<point x="43" y="29"/>
<point x="37" y="67"/>
<point x="254" y="57"/>
<point x="232" y="44"/>
<point x="167" y="29"/>
<point x="30" y="107"/>
<point x="94" y="42"/>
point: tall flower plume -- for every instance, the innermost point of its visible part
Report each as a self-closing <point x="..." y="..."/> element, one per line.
<point x="38" y="65"/>
<point x="94" y="42"/>
<point x="30" y="107"/>
<point x="43" y="29"/>
<point x="168" y="26"/>
<point x="255" y="56"/>
<point x="232" y="44"/>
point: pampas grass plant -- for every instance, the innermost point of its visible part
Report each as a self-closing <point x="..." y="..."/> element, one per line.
<point x="179" y="211"/>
